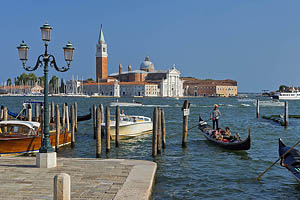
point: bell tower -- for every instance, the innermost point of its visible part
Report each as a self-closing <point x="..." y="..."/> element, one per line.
<point x="101" y="58"/>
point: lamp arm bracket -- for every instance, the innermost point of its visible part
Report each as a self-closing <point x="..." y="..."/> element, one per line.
<point x="38" y="63"/>
<point x="53" y="64"/>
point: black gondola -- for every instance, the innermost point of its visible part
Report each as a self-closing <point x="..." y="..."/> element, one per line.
<point x="22" y="117"/>
<point x="231" y="145"/>
<point x="291" y="160"/>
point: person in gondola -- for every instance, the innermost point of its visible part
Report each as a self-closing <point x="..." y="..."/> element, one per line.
<point x="214" y="116"/>
<point x="122" y="114"/>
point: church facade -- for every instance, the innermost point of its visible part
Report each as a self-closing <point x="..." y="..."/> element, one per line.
<point x="146" y="81"/>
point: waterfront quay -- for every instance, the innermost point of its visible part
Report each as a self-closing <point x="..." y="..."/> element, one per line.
<point x="90" y="178"/>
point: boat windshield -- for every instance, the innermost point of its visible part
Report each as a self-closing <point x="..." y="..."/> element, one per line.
<point x="11" y="129"/>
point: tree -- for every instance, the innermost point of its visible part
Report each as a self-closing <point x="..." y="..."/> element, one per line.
<point x="62" y="86"/>
<point x="8" y="82"/>
<point x="53" y="84"/>
<point x="283" y="88"/>
<point x="89" y="80"/>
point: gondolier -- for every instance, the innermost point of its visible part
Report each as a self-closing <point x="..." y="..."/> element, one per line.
<point x="214" y="116"/>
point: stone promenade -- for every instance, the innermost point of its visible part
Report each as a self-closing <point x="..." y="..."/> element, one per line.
<point x="90" y="178"/>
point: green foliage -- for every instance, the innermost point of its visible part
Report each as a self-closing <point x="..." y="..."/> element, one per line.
<point x="8" y="82"/>
<point x="25" y="79"/>
<point x="283" y="88"/>
<point x="88" y="80"/>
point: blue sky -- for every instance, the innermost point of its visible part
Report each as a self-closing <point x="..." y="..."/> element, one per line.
<point x="256" y="42"/>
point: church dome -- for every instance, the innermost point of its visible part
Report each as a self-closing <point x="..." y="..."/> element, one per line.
<point x="147" y="65"/>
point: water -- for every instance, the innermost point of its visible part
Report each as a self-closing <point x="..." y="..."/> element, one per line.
<point x="202" y="170"/>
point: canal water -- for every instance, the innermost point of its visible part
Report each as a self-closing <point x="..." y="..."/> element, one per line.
<point x="202" y="170"/>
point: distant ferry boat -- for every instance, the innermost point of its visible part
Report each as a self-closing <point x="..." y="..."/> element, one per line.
<point x="294" y="95"/>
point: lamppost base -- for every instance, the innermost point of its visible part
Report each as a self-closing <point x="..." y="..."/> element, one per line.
<point x="46" y="160"/>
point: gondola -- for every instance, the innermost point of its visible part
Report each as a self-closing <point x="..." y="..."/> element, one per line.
<point x="22" y="117"/>
<point x="235" y="145"/>
<point x="291" y="160"/>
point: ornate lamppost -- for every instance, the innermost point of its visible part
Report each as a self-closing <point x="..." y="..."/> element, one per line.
<point x="43" y="61"/>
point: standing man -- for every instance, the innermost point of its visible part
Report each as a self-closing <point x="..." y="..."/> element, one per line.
<point x="215" y="115"/>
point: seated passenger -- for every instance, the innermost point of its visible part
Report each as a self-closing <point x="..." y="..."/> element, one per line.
<point x="227" y="132"/>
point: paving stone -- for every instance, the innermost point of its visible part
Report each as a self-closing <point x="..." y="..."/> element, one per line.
<point x="90" y="178"/>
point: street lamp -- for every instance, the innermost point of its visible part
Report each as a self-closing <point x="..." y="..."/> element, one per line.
<point x="46" y="146"/>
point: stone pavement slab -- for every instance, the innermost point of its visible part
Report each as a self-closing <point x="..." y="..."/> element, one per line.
<point x="105" y="179"/>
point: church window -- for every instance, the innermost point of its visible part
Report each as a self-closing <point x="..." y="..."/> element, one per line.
<point x="104" y="49"/>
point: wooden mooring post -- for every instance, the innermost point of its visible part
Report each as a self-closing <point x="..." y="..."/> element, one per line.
<point x="75" y="110"/>
<point x="98" y="138"/>
<point x="95" y="120"/>
<point x="2" y="113"/>
<point x="117" y="127"/>
<point x="163" y="128"/>
<point x="29" y="107"/>
<point x="107" y="128"/>
<point x="72" y="126"/>
<point x="37" y="112"/>
<point x="63" y="121"/>
<point x="57" y="123"/>
<point x="257" y="108"/>
<point x="52" y="111"/>
<point x="185" y="114"/>
<point x="154" y="132"/>
<point x="286" y="114"/>
<point x="158" y="130"/>
<point x="5" y="117"/>
<point x="67" y="117"/>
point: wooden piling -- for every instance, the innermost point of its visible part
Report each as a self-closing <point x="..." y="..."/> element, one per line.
<point x="107" y="128"/>
<point x="52" y="111"/>
<point x="72" y="126"/>
<point x="42" y="123"/>
<point x="257" y="108"/>
<point x="98" y="138"/>
<point x="67" y="117"/>
<point x="49" y="111"/>
<point x="117" y="127"/>
<point x="102" y="113"/>
<point x="185" y="114"/>
<point x="5" y="117"/>
<point x="95" y="120"/>
<point x="154" y="132"/>
<point x="57" y="123"/>
<point x="37" y="112"/>
<point x="29" y="107"/>
<point x="2" y="113"/>
<point x="75" y="107"/>
<point x="163" y="128"/>
<point x="159" y="131"/>
<point x="286" y="114"/>
<point x="64" y="116"/>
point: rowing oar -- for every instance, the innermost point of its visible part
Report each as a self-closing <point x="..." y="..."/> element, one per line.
<point x="193" y="127"/>
<point x="277" y="161"/>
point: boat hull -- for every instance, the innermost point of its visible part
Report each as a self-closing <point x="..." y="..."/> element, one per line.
<point x="291" y="160"/>
<point x="130" y="130"/>
<point x="241" y="145"/>
<point x="28" y="144"/>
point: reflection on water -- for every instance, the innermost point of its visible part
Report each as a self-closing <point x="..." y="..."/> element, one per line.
<point x="202" y="170"/>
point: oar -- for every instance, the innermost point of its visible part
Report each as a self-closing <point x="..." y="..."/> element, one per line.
<point x="193" y="127"/>
<point x="277" y="161"/>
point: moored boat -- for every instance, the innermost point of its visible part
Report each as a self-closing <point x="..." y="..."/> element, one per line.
<point x="18" y="137"/>
<point x="133" y="103"/>
<point x="207" y="130"/>
<point x="291" y="160"/>
<point x="130" y="126"/>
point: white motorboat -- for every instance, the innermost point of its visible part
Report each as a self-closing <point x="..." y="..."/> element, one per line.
<point x="293" y="95"/>
<point x="129" y="104"/>
<point x="130" y="126"/>
<point x="270" y="103"/>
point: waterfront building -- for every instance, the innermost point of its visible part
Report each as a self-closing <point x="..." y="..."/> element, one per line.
<point x="197" y="87"/>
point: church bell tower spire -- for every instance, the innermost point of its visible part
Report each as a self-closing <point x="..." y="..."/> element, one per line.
<point x="101" y="57"/>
